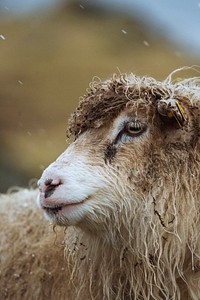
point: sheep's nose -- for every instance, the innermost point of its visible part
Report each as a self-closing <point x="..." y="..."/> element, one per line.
<point x="48" y="186"/>
<point x="51" y="181"/>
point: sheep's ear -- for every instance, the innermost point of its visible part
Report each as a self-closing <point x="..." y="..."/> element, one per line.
<point x="171" y="110"/>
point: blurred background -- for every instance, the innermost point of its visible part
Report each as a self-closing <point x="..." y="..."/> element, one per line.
<point x="49" y="52"/>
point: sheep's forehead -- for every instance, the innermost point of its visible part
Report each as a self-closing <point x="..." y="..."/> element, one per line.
<point x="105" y="100"/>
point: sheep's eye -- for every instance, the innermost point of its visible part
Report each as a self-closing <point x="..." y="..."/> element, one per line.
<point x="134" y="128"/>
<point x="130" y="130"/>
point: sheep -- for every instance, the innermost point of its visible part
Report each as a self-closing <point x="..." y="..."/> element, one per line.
<point x="123" y="201"/>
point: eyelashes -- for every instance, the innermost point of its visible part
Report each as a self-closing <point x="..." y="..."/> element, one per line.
<point x="134" y="128"/>
<point x="130" y="130"/>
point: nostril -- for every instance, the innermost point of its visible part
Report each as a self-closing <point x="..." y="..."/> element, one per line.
<point x="50" y="185"/>
<point x="52" y="182"/>
<point x="48" y="181"/>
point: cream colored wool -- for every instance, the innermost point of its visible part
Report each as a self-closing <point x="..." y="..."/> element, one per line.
<point x="144" y="241"/>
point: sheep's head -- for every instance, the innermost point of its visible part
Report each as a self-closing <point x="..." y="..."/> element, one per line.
<point x="133" y="161"/>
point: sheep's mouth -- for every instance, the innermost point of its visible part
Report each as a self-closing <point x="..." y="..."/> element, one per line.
<point x="55" y="209"/>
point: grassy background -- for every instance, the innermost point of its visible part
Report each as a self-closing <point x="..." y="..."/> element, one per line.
<point x="47" y="62"/>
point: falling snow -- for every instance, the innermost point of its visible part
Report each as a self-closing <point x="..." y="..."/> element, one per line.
<point x="124" y="31"/>
<point x="146" y="43"/>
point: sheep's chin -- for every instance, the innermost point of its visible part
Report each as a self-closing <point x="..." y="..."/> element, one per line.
<point x="68" y="215"/>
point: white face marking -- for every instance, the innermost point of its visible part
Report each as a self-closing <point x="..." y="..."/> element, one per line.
<point x="80" y="183"/>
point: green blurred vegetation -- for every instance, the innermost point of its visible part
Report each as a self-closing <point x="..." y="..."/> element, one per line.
<point x="47" y="62"/>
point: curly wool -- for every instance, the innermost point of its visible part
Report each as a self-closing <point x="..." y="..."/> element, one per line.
<point x="104" y="100"/>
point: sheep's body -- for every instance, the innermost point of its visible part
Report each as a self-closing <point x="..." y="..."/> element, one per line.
<point x="128" y="188"/>
<point x="32" y="264"/>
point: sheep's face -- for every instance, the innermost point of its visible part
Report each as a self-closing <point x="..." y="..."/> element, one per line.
<point x="122" y="165"/>
<point x="103" y="170"/>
